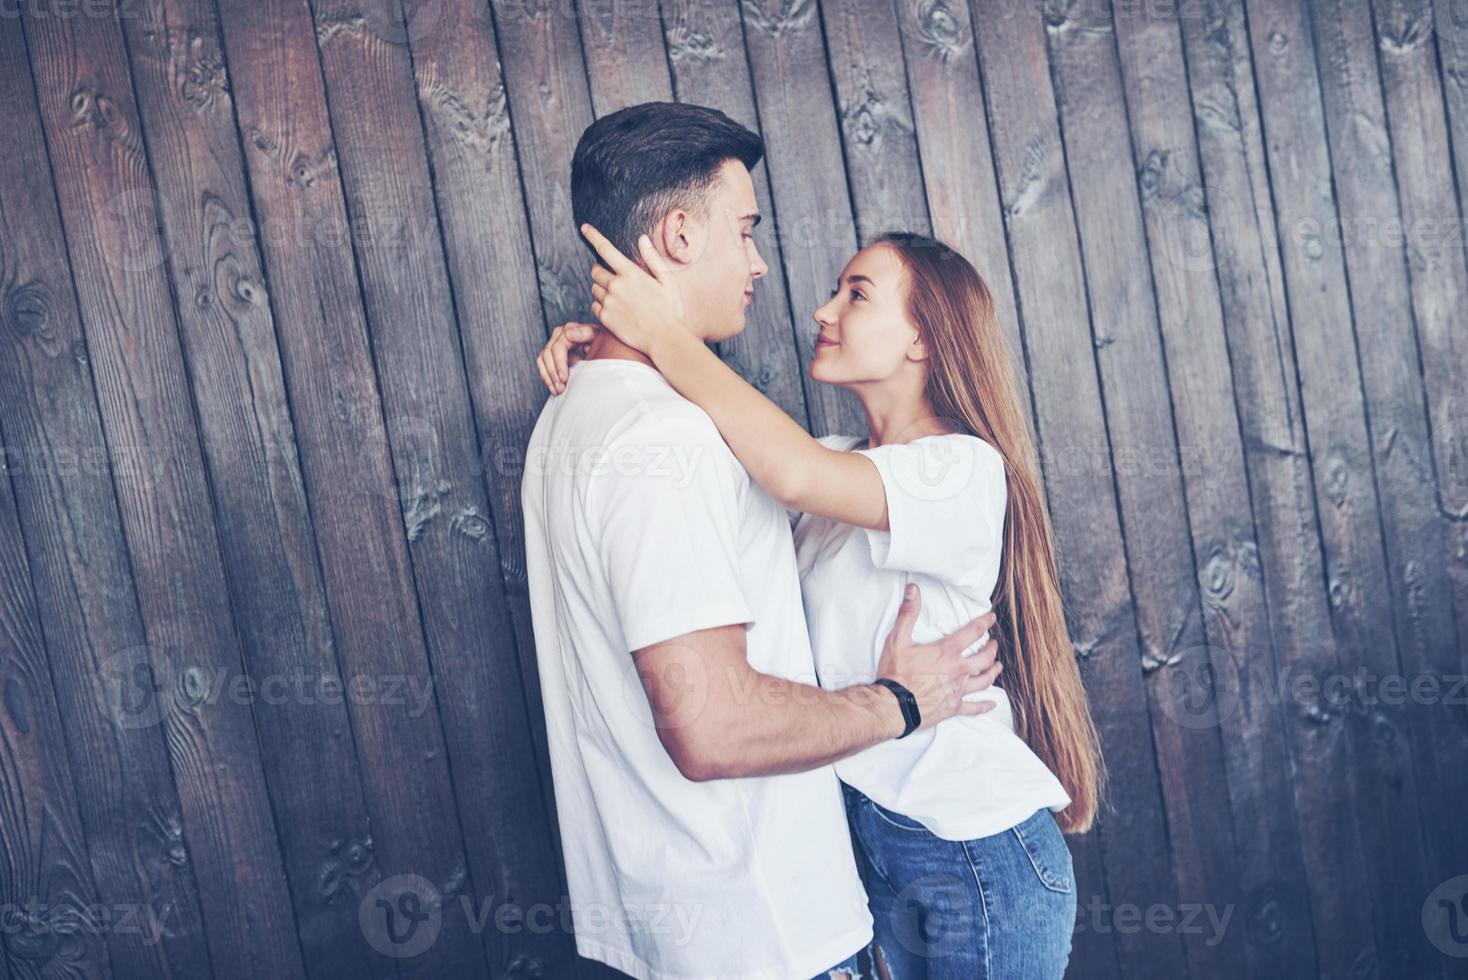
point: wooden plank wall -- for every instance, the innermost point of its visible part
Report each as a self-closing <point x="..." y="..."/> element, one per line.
<point x="272" y="273"/>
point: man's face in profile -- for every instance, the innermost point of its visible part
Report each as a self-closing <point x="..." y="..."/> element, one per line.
<point x="715" y="258"/>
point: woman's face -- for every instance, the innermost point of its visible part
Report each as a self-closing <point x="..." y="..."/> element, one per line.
<point x="864" y="331"/>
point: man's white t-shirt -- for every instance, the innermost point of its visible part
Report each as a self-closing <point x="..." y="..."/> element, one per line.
<point x="968" y="776"/>
<point x="640" y="525"/>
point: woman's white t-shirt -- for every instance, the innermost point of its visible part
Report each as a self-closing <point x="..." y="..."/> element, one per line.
<point x="968" y="776"/>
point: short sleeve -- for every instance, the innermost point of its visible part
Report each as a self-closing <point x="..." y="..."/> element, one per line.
<point x="666" y="508"/>
<point x="945" y="506"/>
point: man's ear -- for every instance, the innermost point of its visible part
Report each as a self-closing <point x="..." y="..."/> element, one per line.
<point x="678" y="238"/>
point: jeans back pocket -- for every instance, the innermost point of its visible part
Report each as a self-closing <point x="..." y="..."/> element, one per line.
<point x="1045" y="846"/>
<point x="894" y="819"/>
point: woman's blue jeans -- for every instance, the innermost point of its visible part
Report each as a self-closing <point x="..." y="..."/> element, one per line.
<point x="1001" y="907"/>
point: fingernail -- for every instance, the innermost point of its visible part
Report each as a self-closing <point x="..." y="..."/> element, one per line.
<point x="911" y="589"/>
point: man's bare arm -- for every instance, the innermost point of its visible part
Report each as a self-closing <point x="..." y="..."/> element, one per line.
<point x="720" y="718"/>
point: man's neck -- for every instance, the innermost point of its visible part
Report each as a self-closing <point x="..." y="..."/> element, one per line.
<point x="606" y="346"/>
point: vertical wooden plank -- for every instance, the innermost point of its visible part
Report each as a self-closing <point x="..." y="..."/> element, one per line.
<point x="705" y="44"/>
<point x="417" y="840"/>
<point x="1275" y="912"/>
<point x="1422" y="589"/>
<point x="228" y="340"/>
<point x="61" y="469"/>
<point x="91" y="125"/>
<point x="1139" y="419"/>
<point x="481" y="212"/>
<point x="372" y="106"/>
<point x="1252" y="289"/>
<point x="46" y="881"/>
<point x="1049" y="282"/>
<point x="626" y="63"/>
<point x="950" y="124"/>
<point x="1437" y="220"/>
<point x="1359" y="589"/>
<point x="865" y="47"/>
<point x="811" y="203"/>
<point x="550" y="106"/>
<point x="1415" y="107"/>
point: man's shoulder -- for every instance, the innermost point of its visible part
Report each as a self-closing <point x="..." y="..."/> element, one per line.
<point x="666" y="418"/>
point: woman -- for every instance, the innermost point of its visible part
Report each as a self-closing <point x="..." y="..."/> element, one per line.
<point x="959" y="826"/>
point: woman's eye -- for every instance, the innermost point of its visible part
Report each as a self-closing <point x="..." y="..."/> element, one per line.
<point x="856" y="294"/>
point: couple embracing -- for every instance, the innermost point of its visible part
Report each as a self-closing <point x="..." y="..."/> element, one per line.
<point x="771" y="664"/>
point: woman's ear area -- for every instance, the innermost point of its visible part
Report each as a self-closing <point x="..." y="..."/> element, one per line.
<point x="917" y="348"/>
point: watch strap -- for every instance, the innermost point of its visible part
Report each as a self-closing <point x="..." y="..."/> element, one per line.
<point x="911" y="717"/>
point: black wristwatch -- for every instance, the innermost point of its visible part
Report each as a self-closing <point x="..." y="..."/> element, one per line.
<point x="911" y="717"/>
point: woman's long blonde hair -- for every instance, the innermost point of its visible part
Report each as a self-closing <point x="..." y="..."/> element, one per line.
<point x="971" y="384"/>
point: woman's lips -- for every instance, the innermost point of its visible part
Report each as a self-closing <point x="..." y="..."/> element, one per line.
<point x="823" y="342"/>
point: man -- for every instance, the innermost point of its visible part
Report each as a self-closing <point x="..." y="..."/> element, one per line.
<point x="704" y="829"/>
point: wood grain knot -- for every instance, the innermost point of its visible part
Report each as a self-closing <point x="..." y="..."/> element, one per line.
<point x="18" y="705"/>
<point x="787" y="17"/>
<point x="525" y="967"/>
<point x="1267" y="914"/>
<point x="687" y="43"/>
<point x="470" y="524"/>
<point x="26" y="309"/>
<point x="350" y="859"/>
<point x="940" y="32"/>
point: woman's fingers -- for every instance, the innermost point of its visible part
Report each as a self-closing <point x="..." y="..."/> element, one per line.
<point x="546" y="360"/>
<point x="608" y="252"/>
<point x="601" y="275"/>
<point x="558" y="353"/>
<point x="554" y="360"/>
<point x="660" y="269"/>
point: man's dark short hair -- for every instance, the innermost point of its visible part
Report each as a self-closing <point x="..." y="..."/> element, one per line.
<point x="635" y="165"/>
